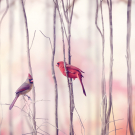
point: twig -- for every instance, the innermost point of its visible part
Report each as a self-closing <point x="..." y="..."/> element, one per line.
<point x="114" y="120"/>
<point x="46" y="37"/>
<point x="29" y="113"/>
<point x="29" y="63"/>
<point x="56" y="128"/>
<point x="113" y="130"/>
<point x="41" y="118"/>
<point x="4" y="12"/>
<point x="41" y="129"/>
<point x="40" y="100"/>
<point x="96" y="18"/>
<point x="9" y="6"/>
<point x="33" y="39"/>
<point x="32" y="133"/>
<point x="80" y="120"/>
<point x="66" y="16"/>
<point x="16" y="107"/>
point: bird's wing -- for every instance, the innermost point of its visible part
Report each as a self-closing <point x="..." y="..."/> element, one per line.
<point x="73" y="67"/>
<point x="23" y="87"/>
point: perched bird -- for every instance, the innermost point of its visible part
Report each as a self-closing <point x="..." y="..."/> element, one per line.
<point x="23" y="89"/>
<point x="72" y="71"/>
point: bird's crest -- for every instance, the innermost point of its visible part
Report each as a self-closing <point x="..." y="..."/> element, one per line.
<point x="29" y="76"/>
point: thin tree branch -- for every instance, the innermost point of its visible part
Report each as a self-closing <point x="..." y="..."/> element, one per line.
<point x="71" y="96"/>
<point x="53" y="71"/>
<point x="5" y="11"/>
<point x="129" y="75"/>
<point x="66" y="16"/>
<point x="56" y="128"/>
<point x="111" y="66"/>
<point x="104" y="102"/>
<point x="46" y="37"/>
<point x="113" y="130"/>
<point x="32" y="133"/>
<point x="80" y="120"/>
<point x="33" y="39"/>
<point x="71" y="16"/>
<point x="114" y="120"/>
<point x="29" y="64"/>
<point x="41" y="129"/>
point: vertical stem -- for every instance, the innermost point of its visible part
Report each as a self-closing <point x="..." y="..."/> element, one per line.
<point x="103" y="85"/>
<point x="129" y="77"/>
<point x="71" y="96"/>
<point x="29" y="65"/>
<point x="53" y="71"/>
<point x="69" y="20"/>
<point x="10" y="65"/>
<point x="111" y="64"/>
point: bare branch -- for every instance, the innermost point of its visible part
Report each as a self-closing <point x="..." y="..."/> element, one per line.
<point x="53" y="71"/>
<point x="46" y="37"/>
<point x="5" y="12"/>
<point x="114" y="120"/>
<point x="72" y="12"/>
<point x="33" y="39"/>
<point x="32" y="133"/>
<point x="111" y="66"/>
<point x="129" y="75"/>
<point x="104" y="101"/>
<point x="41" y="129"/>
<point x="29" y="64"/>
<point x="80" y="120"/>
<point x="113" y="130"/>
<point x="96" y="18"/>
<point x="56" y="128"/>
<point x="69" y="81"/>
<point x="65" y="12"/>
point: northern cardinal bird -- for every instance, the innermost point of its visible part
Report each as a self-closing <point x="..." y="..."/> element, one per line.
<point x="23" y="89"/>
<point x="73" y="72"/>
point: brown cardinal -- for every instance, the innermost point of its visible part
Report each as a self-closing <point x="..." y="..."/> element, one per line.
<point x="23" y="89"/>
<point x="73" y="72"/>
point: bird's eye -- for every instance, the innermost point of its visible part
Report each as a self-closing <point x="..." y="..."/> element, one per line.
<point x="58" y="64"/>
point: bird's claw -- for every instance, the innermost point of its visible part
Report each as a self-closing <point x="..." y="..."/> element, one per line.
<point x="29" y="98"/>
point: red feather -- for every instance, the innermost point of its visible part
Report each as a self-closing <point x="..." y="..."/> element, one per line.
<point x="73" y="72"/>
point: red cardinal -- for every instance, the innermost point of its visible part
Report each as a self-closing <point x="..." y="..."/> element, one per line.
<point x="73" y="72"/>
<point x="23" y="89"/>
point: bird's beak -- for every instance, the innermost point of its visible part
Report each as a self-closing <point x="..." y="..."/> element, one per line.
<point x="57" y="65"/>
<point x="31" y="81"/>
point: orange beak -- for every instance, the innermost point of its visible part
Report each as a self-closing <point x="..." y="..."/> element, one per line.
<point x="31" y="81"/>
<point x="57" y="65"/>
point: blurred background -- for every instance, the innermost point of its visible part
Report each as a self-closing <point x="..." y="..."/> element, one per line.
<point x="86" y="51"/>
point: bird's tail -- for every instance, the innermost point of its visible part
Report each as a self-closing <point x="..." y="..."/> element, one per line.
<point x="80" y="78"/>
<point x="12" y="104"/>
